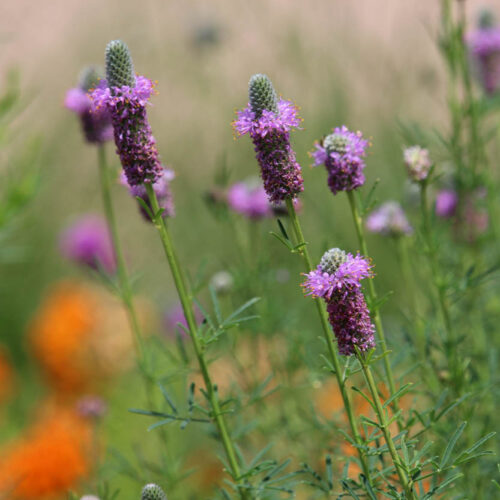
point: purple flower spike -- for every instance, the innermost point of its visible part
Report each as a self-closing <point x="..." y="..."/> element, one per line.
<point x="87" y="242"/>
<point x="174" y="316"/>
<point x="484" y="46"/>
<point x="342" y="154"/>
<point x="446" y="203"/>
<point x="96" y="125"/>
<point x="162" y="190"/>
<point x="269" y="121"/>
<point x="337" y="280"/>
<point x="125" y="98"/>
<point x="389" y="219"/>
<point x="250" y="199"/>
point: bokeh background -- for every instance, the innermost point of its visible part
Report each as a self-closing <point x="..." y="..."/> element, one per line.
<point x="371" y="65"/>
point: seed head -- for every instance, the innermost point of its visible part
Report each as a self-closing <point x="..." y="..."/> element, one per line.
<point x="262" y="95"/>
<point x="332" y="259"/>
<point x="119" y="65"/>
<point x="336" y="143"/>
<point x="152" y="492"/>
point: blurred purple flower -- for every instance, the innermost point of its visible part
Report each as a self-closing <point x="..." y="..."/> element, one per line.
<point x="249" y="199"/>
<point x="87" y="242"/>
<point x="342" y="154"/>
<point x="446" y="203"/>
<point x="91" y="407"/>
<point x="96" y="124"/>
<point x="162" y="190"/>
<point x="175" y="315"/>
<point x="337" y="279"/>
<point x="389" y="219"/>
<point x="484" y="46"/>
<point x="418" y="163"/>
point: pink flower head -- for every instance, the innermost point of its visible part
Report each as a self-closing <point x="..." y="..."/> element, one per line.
<point x="87" y="242"/>
<point x="175" y="316"/>
<point x="249" y="199"/>
<point x="77" y="100"/>
<point x="446" y="203"/>
<point x="418" y="162"/>
<point x="389" y="219"/>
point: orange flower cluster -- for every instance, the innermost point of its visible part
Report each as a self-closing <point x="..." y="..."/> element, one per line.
<point x="48" y="460"/>
<point x="80" y="336"/>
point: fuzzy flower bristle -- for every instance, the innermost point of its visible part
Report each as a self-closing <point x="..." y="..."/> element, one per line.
<point x="262" y="95"/>
<point x="119" y="65"/>
<point x="337" y="280"/>
<point x="342" y="153"/>
<point x="153" y="492"/>
<point x="270" y="133"/>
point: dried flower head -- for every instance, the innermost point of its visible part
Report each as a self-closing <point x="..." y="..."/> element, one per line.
<point x="87" y="242"/>
<point x="269" y="121"/>
<point x="342" y="153"/>
<point x="337" y="280"/>
<point x="418" y="163"/>
<point x="125" y="96"/>
<point x="152" y="492"/>
<point x="96" y="125"/>
<point x="389" y="219"/>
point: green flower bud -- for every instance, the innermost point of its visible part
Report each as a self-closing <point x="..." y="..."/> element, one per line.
<point x="119" y="65"/>
<point x="262" y="95"/>
<point x="486" y="19"/>
<point x="335" y="143"/>
<point x="332" y="259"/>
<point x="89" y="78"/>
<point x="152" y="492"/>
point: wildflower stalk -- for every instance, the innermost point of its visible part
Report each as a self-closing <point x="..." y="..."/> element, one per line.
<point x="406" y="483"/>
<point x="372" y="294"/>
<point x="341" y="380"/>
<point x="125" y="286"/>
<point x="439" y="285"/>
<point x="187" y="307"/>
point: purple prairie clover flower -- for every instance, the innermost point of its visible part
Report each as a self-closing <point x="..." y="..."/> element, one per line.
<point x="418" y="163"/>
<point x="337" y="280"/>
<point x="342" y="153"/>
<point x="484" y="47"/>
<point x="87" y="242"/>
<point x="125" y="97"/>
<point x="446" y="203"/>
<point x="162" y="190"/>
<point x="250" y="199"/>
<point x="389" y="219"/>
<point x="269" y="120"/>
<point x="96" y="125"/>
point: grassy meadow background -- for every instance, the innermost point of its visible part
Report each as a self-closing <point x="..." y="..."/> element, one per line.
<point x="372" y="65"/>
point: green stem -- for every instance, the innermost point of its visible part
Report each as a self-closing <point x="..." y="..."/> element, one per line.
<point x="187" y="306"/>
<point x="439" y="285"/>
<point x="384" y="425"/>
<point x="327" y="333"/>
<point x="372" y="294"/>
<point x="125" y="286"/>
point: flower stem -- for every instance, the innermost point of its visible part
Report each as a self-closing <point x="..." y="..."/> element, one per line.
<point x="384" y="425"/>
<point x="372" y="294"/>
<point x="125" y="286"/>
<point x="439" y="285"/>
<point x="187" y="307"/>
<point x="327" y="333"/>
